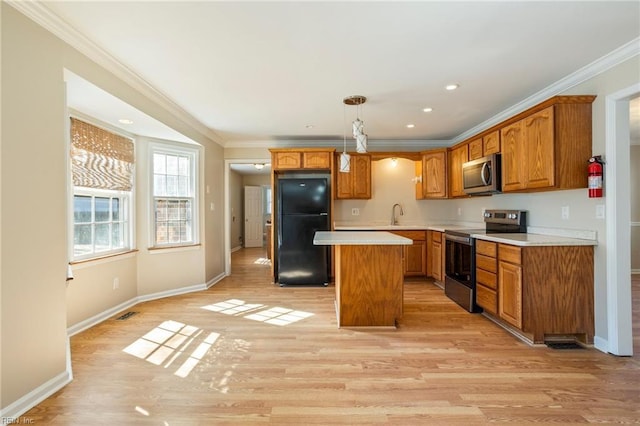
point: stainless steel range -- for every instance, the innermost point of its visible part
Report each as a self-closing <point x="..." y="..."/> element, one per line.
<point x="460" y="254"/>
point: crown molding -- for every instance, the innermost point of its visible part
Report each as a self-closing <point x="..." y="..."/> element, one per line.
<point x="376" y="145"/>
<point x="41" y="14"/>
<point x="613" y="58"/>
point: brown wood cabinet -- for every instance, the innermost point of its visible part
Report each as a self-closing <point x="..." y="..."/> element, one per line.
<point x="510" y="285"/>
<point x="357" y="183"/>
<point x="457" y="157"/>
<point x="548" y="147"/>
<point x="542" y="291"/>
<point x="435" y="258"/>
<point x="491" y="143"/>
<point x="301" y="158"/>
<point x="486" y="276"/>
<point x="434" y="174"/>
<point x="415" y="255"/>
<point x="475" y="149"/>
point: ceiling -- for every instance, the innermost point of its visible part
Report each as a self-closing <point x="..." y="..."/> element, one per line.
<point x="268" y="73"/>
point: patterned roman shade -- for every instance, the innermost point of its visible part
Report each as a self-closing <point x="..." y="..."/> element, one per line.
<point x="100" y="159"/>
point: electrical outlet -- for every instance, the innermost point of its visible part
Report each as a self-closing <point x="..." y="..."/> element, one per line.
<point x="116" y="283"/>
<point x="459" y="211"/>
<point x="355" y="212"/>
<point x="599" y="211"/>
<point x="565" y="212"/>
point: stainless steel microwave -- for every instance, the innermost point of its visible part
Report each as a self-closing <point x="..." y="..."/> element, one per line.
<point x="482" y="176"/>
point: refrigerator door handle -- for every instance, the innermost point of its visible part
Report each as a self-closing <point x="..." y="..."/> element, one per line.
<point x="324" y="214"/>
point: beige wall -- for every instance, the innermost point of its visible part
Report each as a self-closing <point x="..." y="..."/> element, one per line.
<point x="37" y="305"/>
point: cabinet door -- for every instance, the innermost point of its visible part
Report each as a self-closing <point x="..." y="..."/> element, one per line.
<point x="361" y="168"/>
<point x="436" y="261"/>
<point x="356" y="183"/>
<point x="434" y="180"/>
<point x="513" y="150"/>
<point x="459" y="156"/>
<point x="415" y="259"/>
<point x="491" y="143"/>
<point x="475" y="149"/>
<point x="316" y="160"/>
<point x="539" y="137"/>
<point x="286" y="160"/>
<point x="510" y="293"/>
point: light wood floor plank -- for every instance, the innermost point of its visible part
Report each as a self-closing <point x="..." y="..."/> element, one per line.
<point x="249" y="352"/>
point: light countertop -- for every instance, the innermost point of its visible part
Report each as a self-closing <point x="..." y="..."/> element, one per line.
<point x="336" y="238"/>
<point x="386" y="226"/>
<point x="524" y="240"/>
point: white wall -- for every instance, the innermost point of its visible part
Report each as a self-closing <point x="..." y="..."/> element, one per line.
<point x="34" y="187"/>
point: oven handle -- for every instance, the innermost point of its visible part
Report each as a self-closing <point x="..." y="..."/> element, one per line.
<point x="463" y="240"/>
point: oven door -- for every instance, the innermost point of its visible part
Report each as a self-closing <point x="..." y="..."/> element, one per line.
<point x="460" y="271"/>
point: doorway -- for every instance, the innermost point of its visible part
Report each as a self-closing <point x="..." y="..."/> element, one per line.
<point x="239" y="173"/>
<point x="619" y="305"/>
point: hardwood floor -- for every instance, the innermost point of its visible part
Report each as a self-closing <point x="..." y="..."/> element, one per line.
<point x="247" y="351"/>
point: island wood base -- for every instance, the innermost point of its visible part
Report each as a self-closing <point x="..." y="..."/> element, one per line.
<point x="369" y="285"/>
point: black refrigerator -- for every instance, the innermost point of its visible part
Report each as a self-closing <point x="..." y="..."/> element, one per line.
<point x="303" y="205"/>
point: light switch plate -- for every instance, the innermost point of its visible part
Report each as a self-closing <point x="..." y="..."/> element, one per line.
<point x="565" y="212"/>
<point x="599" y="211"/>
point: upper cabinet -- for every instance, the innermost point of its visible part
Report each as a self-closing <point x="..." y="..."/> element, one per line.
<point x="490" y="143"/>
<point x="357" y="183"/>
<point x="301" y="158"/>
<point x="548" y="148"/>
<point x="475" y="149"/>
<point x="433" y="170"/>
<point x="457" y="157"/>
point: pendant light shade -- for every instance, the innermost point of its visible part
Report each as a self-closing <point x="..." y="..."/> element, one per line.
<point x="345" y="162"/>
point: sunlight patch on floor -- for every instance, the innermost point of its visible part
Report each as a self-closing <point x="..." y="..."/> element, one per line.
<point x="262" y="261"/>
<point x="271" y="315"/>
<point x="168" y="342"/>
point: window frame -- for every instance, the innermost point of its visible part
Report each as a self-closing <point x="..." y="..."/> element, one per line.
<point x="193" y="154"/>
<point x="126" y="209"/>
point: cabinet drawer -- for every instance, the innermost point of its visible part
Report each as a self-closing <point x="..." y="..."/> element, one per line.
<point x="412" y="235"/>
<point x="485" y="278"/>
<point x="487" y="298"/>
<point x="511" y="254"/>
<point x="487" y="263"/>
<point x="486" y="248"/>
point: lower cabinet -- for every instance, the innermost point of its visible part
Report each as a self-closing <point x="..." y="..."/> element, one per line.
<point x="542" y="291"/>
<point x="435" y="256"/>
<point x="415" y="255"/>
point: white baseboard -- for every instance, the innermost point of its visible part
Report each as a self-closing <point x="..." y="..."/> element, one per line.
<point x="236" y="248"/>
<point x="102" y="316"/>
<point x="15" y="410"/>
<point x="601" y="344"/>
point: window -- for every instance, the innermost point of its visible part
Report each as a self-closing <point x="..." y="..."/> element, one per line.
<point x="102" y="165"/>
<point x="174" y="202"/>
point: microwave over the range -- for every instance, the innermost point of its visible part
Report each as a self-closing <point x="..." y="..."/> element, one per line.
<point x="482" y="176"/>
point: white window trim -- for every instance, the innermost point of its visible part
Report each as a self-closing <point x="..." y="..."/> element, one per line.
<point x="128" y="210"/>
<point x="194" y="154"/>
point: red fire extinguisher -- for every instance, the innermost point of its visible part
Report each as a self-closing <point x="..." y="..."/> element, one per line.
<point x="596" y="168"/>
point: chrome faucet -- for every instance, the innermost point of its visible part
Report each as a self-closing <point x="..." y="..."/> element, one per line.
<point x="394" y="218"/>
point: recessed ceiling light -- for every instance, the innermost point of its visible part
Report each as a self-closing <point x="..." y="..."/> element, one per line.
<point x="410" y="126"/>
<point x="309" y="126"/>
<point x="427" y="109"/>
<point x="452" y="86"/>
<point x="125" y="121"/>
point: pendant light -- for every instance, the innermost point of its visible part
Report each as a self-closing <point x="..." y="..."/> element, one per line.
<point x="345" y="159"/>
<point x="358" y="125"/>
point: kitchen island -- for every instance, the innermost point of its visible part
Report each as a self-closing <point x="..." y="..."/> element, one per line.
<point x="368" y="276"/>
